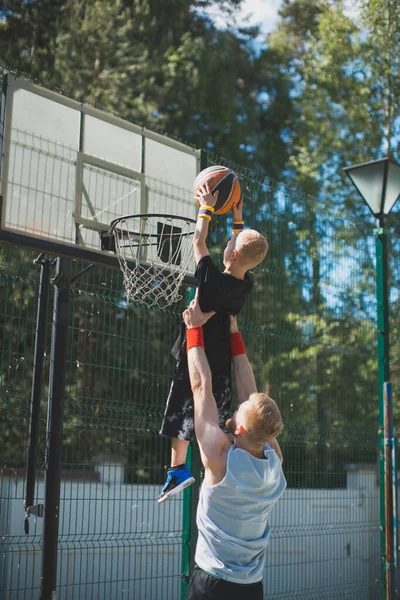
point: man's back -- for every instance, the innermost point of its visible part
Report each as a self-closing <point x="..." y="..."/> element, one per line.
<point x="232" y="516"/>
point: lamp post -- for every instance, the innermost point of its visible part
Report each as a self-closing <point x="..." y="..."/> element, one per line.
<point x="378" y="183"/>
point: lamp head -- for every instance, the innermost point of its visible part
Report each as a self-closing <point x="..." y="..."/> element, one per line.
<point x="378" y="183"/>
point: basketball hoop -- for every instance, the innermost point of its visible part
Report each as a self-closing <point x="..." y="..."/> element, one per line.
<point x="154" y="252"/>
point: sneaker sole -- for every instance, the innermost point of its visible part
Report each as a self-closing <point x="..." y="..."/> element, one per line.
<point x="176" y="490"/>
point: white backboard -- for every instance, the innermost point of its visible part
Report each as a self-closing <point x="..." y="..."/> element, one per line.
<point x="68" y="169"/>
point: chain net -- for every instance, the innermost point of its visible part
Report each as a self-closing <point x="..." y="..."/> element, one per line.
<point x="155" y="253"/>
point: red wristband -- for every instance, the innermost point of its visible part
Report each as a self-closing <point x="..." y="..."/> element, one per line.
<point x="194" y="337"/>
<point x="237" y="345"/>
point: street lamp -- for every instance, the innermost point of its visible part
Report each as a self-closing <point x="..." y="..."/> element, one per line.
<point x="378" y="183"/>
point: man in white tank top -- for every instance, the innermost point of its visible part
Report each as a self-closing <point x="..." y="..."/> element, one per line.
<point x="243" y="476"/>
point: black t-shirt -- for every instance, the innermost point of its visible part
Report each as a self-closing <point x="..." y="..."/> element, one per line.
<point x="226" y="295"/>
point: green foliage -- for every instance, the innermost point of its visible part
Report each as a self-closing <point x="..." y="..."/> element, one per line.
<point x="323" y="93"/>
<point x="346" y="94"/>
<point x="163" y="65"/>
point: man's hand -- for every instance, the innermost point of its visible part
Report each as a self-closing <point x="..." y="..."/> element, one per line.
<point x="237" y="210"/>
<point x="193" y="316"/>
<point x="233" y="326"/>
<point x="205" y="197"/>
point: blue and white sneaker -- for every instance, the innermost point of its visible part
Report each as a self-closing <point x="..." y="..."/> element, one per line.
<point x="178" y="479"/>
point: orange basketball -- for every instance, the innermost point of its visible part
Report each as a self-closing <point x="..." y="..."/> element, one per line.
<point x="223" y="180"/>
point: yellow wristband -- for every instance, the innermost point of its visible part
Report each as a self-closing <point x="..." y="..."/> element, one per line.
<point x="210" y="208"/>
<point x="237" y="227"/>
<point x="204" y="217"/>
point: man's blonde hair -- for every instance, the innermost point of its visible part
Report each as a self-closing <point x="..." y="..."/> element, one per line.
<point x="251" y="247"/>
<point x="263" y="419"/>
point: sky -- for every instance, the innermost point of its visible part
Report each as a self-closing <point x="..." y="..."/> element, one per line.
<point x="257" y="12"/>
<point x="265" y="14"/>
<point x="262" y="12"/>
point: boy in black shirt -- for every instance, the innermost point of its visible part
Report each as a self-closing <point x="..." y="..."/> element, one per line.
<point x="225" y="293"/>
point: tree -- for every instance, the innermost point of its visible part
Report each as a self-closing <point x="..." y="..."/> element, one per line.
<point x="27" y="31"/>
<point x="163" y="65"/>
<point x="289" y="109"/>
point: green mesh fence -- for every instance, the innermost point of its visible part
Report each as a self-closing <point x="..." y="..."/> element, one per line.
<point x="310" y="332"/>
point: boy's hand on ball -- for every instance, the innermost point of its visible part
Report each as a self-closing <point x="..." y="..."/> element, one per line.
<point x="205" y="197"/>
<point x="237" y="210"/>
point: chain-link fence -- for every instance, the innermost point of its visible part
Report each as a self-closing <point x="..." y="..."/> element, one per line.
<point x="309" y="328"/>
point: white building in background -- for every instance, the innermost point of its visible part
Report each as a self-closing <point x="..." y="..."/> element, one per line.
<point x="117" y="542"/>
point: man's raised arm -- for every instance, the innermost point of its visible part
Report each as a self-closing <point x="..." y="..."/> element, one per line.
<point x="244" y="376"/>
<point x="212" y="441"/>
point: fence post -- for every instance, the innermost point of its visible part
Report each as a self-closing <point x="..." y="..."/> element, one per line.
<point x="385" y="416"/>
<point x="390" y="481"/>
<point x="194" y="499"/>
<point x="55" y="417"/>
<point x="187" y="524"/>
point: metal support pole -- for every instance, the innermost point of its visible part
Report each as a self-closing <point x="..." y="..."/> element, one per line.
<point x="385" y="419"/>
<point x="55" y="417"/>
<point x="395" y="519"/>
<point x="194" y="500"/>
<point x="186" y="532"/>
<point x="37" y="386"/>
<point x="390" y="492"/>
<point x="187" y="516"/>
<point x="190" y="501"/>
<point x="191" y="494"/>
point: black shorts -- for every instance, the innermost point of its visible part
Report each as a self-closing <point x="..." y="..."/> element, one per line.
<point x="178" y="421"/>
<point x="203" y="586"/>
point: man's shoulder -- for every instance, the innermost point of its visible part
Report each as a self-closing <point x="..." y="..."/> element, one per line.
<point x="215" y="464"/>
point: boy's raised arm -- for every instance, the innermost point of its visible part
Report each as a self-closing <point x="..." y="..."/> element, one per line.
<point x="206" y="199"/>
<point x="237" y="211"/>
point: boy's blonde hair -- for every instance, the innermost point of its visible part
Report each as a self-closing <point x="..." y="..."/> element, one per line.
<point x="263" y="419"/>
<point x="251" y="247"/>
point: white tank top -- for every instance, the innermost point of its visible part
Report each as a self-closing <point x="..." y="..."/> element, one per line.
<point x="232" y="516"/>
